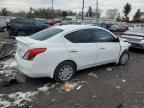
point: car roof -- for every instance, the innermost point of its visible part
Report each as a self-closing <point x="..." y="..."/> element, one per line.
<point x="66" y="27"/>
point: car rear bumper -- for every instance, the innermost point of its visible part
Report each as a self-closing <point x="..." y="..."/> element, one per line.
<point x="29" y="69"/>
<point x="23" y="66"/>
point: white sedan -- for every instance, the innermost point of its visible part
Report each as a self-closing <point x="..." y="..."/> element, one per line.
<point x="58" y="52"/>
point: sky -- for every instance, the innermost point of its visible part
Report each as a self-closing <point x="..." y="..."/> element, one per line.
<point x="75" y="5"/>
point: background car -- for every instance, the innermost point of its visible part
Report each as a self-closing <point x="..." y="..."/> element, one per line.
<point x="58" y="52"/>
<point x="106" y="25"/>
<point x="135" y="36"/>
<point x="2" y="25"/>
<point x="25" y="26"/>
<point x="118" y="28"/>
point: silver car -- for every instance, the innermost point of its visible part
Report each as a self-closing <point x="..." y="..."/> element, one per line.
<point x="135" y="36"/>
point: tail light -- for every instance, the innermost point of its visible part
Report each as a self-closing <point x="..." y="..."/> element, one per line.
<point x="30" y="54"/>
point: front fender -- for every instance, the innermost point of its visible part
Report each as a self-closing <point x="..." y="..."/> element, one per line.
<point x="124" y="46"/>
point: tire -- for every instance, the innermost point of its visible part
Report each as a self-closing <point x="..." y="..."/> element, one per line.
<point x="61" y="72"/>
<point x="21" y="33"/>
<point x="124" y="58"/>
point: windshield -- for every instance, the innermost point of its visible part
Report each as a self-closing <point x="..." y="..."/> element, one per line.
<point x="45" y="34"/>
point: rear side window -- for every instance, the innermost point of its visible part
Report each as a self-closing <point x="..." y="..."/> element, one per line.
<point x="81" y="36"/>
<point x="45" y="34"/>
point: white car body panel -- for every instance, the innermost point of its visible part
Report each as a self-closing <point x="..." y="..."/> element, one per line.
<point x="83" y="54"/>
<point x="108" y="52"/>
<point x="59" y="49"/>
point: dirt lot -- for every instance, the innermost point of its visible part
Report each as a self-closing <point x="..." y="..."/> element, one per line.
<point x="107" y="86"/>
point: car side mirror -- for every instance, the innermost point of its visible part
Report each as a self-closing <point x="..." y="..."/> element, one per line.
<point x="116" y="40"/>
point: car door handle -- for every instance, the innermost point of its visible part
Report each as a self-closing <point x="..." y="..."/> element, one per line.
<point x="73" y="51"/>
<point x="102" y="48"/>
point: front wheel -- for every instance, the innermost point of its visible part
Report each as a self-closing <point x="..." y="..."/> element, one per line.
<point x="64" y="71"/>
<point x="124" y="58"/>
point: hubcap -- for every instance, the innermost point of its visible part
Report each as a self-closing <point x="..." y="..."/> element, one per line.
<point x="124" y="58"/>
<point x="65" y="72"/>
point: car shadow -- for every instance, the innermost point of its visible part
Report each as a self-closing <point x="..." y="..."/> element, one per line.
<point x="95" y="70"/>
<point x="134" y="50"/>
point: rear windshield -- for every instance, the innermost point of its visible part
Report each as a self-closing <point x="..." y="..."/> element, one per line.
<point x="45" y="34"/>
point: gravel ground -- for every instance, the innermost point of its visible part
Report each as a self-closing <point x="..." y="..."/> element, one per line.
<point x="107" y="86"/>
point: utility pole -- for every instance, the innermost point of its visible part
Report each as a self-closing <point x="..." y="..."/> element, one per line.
<point x="83" y="11"/>
<point x="97" y="11"/>
<point x="52" y="10"/>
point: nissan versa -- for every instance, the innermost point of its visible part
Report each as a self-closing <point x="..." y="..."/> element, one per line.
<point x="58" y="52"/>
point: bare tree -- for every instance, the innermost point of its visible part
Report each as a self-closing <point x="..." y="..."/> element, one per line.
<point x="112" y="13"/>
<point x="98" y="13"/>
<point x="4" y="12"/>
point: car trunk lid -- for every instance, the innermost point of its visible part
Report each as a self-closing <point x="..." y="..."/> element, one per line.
<point x="23" y="44"/>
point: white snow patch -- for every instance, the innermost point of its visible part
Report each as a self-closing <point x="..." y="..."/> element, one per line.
<point x="9" y="63"/>
<point x="93" y="75"/>
<point x="13" y="63"/>
<point x="7" y="67"/>
<point x="79" y="87"/>
<point x="4" y="104"/>
<point x="123" y="80"/>
<point x="17" y="97"/>
<point x="109" y="69"/>
<point x="6" y="72"/>
<point x="118" y="87"/>
<point x="2" y="72"/>
<point x="45" y="88"/>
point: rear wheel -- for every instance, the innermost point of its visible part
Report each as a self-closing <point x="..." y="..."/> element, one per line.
<point x="21" y="33"/>
<point x="124" y="58"/>
<point x="64" y="71"/>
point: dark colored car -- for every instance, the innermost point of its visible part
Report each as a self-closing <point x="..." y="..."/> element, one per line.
<point x="25" y="26"/>
<point x="105" y="25"/>
<point x="118" y="28"/>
